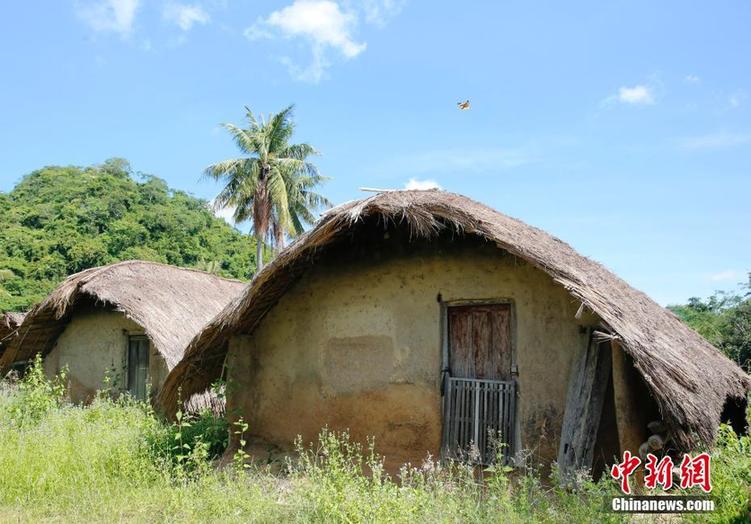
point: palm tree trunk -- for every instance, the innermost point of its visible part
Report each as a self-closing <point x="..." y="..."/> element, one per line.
<point x="259" y="255"/>
<point x="261" y="214"/>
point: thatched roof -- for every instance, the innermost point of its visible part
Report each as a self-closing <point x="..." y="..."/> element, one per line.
<point x="690" y="379"/>
<point x="9" y="322"/>
<point x="171" y="304"/>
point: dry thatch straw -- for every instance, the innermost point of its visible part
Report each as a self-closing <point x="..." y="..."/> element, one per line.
<point x="9" y="323"/>
<point x="690" y="379"/>
<point x="171" y="304"/>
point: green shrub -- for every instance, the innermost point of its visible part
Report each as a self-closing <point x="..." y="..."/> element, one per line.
<point x="204" y="430"/>
<point x="731" y="478"/>
<point x="35" y="396"/>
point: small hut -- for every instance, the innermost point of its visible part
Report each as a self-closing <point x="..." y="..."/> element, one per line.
<point x="127" y="322"/>
<point x="438" y="325"/>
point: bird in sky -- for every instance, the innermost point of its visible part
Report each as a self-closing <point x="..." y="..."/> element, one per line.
<point x="463" y="105"/>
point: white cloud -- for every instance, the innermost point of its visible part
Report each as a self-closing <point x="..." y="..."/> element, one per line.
<point x="720" y="140"/>
<point x="636" y="95"/>
<point x="108" y="15"/>
<point x="692" y="79"/>
<point x="322" y="23"/>
<point x="185" y="15"/>
<point x="413" y="183"/>
<point x="729" y="274"/>
<point x="378" y="12"/>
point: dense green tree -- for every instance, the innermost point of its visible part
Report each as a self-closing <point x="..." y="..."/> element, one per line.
<point x="264" y="185"/>
<point x="725" y="320"/>
<point x="60" y="220"/>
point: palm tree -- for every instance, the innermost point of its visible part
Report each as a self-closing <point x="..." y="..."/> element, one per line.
<point x="272" y="182"/>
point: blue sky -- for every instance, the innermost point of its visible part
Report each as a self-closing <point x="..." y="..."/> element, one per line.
<point x="623" y="128"/>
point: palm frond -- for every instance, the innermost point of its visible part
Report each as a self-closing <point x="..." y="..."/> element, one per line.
<point x="244" y="210"/>
<point x="315" y="200"/>
<point x="224" y="169"/>
<point x="246" y="140"/>
<point x="241" y="183"/>
<point x="299" y="151"/>
<point x="280" y="129"/>
<point x="225" y="197"/>
<point x="278" y="196"/>
<point x="251" y="119"/>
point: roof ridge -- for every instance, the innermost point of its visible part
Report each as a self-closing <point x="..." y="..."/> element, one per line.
<point x="96" y="270"/>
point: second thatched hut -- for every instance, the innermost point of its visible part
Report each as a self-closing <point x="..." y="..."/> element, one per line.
<point x="123" y="326"/>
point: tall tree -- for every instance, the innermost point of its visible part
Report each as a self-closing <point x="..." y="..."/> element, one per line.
<point x="272" y="183"/>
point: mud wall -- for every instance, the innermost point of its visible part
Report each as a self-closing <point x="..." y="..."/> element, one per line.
<point x="93" y="345"/>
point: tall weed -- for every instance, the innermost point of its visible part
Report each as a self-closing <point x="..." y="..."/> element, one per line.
<point x="114" y="460"/>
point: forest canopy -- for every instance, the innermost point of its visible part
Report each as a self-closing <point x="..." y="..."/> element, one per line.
<point x="724" y="319"/>
<point x="61" y="220"/>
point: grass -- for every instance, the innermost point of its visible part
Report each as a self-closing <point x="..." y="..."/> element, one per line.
<point x="114" y="460"/>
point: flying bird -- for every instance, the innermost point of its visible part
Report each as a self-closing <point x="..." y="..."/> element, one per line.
<point x="463" y="105"/>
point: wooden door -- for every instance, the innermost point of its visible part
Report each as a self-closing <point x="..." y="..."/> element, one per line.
<point x="586" y="396"/>
<point x="479" y="393"/>
<point x="138" y="366"/>
<point x="479" y="340"/>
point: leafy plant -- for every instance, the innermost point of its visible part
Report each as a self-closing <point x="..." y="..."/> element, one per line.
<point x="36" y="395"/>
<point x="192" y="440"/>
<point x="241" y="457"/>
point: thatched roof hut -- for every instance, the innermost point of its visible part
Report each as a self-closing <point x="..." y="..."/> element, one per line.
<point x="171" y="304"/>
<point x="689" y="379"/>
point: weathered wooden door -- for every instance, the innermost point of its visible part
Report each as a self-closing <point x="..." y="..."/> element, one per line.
<point x="138" y="366"/>
<point x="480" y="341"/>
<point x="586" y="397"/>
<point x="479" y="396"/>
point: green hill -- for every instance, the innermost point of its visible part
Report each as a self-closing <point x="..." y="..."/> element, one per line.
<point x="60" y="220"/>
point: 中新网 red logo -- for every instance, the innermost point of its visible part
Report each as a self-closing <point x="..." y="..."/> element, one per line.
<point x="694" y="471"/>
